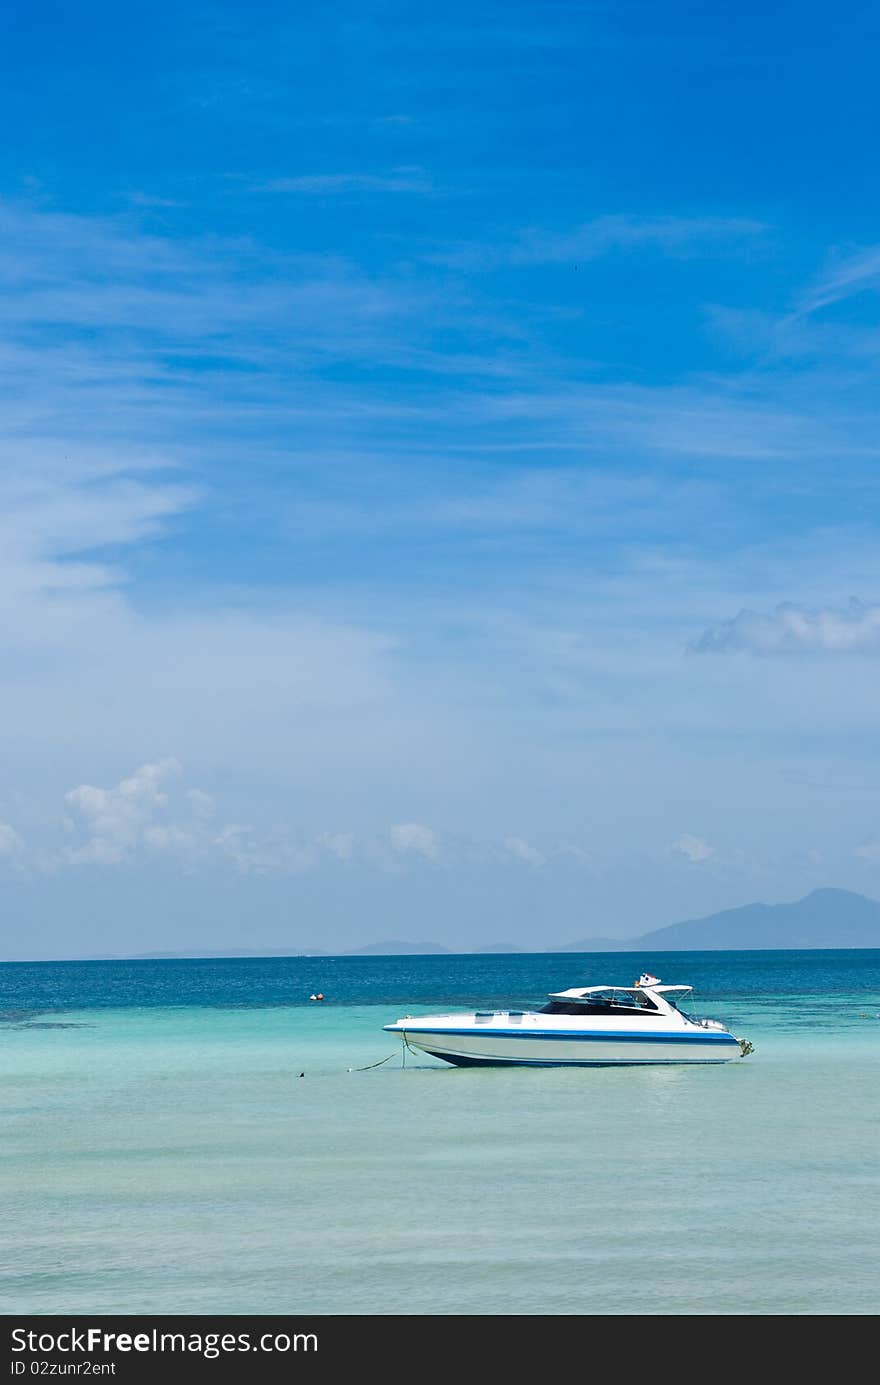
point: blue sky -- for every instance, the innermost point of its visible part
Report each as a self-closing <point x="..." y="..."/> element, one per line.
<point x="439" y="470"/>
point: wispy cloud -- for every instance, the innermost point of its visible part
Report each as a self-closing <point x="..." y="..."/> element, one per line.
<point x="678" y="236"/>
<point x="845" y="277"/>
<point x="409" y="179"/>
<point x="675" y="236"/>
<point x="153" y="323"/>
<point x="133" y="334"/>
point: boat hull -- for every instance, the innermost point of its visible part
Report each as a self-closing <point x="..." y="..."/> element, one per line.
<point x="471" y="1048"/>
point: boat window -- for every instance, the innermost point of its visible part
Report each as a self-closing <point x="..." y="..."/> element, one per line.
<point x="670" y="1002"/>
<point x="643" y="1002"/>
<point x="561" y="1007"/>
<point x="631" y="1000"/>
<point x="599" y="1005"/>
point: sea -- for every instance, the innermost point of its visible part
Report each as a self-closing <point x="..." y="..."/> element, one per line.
<point x="198" y="1136"/>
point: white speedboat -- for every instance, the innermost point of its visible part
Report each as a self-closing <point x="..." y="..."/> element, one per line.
<point x="589" y="1026"/>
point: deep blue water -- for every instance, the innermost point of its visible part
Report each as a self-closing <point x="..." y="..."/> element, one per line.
<point x="523" y="978"/>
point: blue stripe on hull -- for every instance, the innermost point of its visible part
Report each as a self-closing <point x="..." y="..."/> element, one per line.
<point x="592" y="1036"/>
<point x="460" y="1061"/>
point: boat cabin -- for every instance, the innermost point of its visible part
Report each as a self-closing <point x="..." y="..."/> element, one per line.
<point x="612" y="1000"/>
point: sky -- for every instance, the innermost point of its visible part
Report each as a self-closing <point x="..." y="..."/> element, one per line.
<point x="439" y="470"/>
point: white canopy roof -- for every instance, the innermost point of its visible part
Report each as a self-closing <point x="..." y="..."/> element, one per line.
<point x="584" y="992"/>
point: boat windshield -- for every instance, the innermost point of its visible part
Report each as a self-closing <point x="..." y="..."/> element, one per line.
<point x="609" y="1004"/>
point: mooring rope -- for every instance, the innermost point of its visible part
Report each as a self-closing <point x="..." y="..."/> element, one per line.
<point x="375" y="1065"/>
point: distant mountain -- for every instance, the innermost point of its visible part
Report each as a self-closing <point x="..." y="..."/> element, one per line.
<point x="395" y="948"/>
<point x="231" y="953"/>
<point x="825" y="918"/>
<point x="598" y="945"/>
<point x="499" y="947"/>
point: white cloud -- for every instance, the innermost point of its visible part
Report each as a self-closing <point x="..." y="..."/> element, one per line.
<point x="341" y="845"/>
<point x="524" y="852"/>
<point x="412" y="839"/>
<point x="11" y="844"/>
<point x="118" y="821"/>
<point x="149" y="816"/>
<point x="868" y="851"/>
<point x="202" y="803"/>
<point x="574" y="853"/>
<point x="266" y="853"/>
<point x="140" y="817"/>
<point x="693" y="848"/>
<point x="794" y="629"/>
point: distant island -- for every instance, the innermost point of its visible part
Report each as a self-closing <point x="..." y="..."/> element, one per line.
<point x="826" y="918"/>
<point x="396" y="949"/>
<point x="823" y="919"/>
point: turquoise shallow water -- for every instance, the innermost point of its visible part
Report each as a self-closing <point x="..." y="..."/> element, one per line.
<point x="160" y="1152"/>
